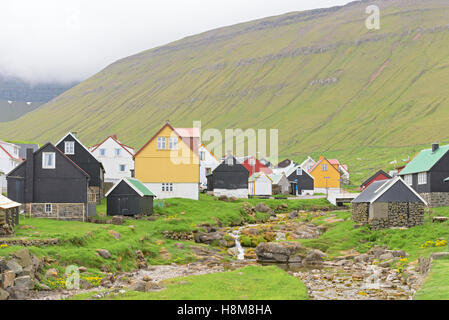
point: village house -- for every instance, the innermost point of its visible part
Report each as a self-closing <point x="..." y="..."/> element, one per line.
<point x="51" y="185"/>
<point x="301" y="182"/>
<point x="168" y="164"/>
<point x="260" y="184"/>
<point x="129" y="197"/>
<point x="208" y="163"/>
<point x="281" y="185"/>
<point x="78" y="153"/>
<point x="378" y="176"/>
<point x="116" y="157"/>
<point x="307" y="164"/>
<point x="9" y="159"/>
<point x="253" y="165"/>
<point x="9" y="216"/>
<point x="229" y="179"/>
<point x="327" y="177"/>
<point x="389" y="203"/>
<point x="428" y="174"/>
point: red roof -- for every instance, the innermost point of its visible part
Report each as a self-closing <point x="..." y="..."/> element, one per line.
<point x="258" y="166"/>
<point x="9" y="155"/>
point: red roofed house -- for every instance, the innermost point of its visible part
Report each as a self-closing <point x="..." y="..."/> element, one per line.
<point x="9" y="159"/>
<point x="378" y="176"/>
<point x="253" y="165"/>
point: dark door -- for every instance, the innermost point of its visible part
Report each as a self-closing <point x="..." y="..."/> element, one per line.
<point x="123" y="202"/>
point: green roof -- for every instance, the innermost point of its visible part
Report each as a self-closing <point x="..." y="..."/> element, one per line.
<point x="140" y="186"/>
<point x="275" y="177"/>
<point x="425" y="160"/>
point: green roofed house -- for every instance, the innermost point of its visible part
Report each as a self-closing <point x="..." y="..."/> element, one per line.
<point x="129" y="197"/>
<point x="281" y="184"/>
<point x="428" y="175"/>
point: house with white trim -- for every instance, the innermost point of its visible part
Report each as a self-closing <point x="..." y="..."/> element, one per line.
<point x="9" y="159"/>
<point x="116" y="157"/>
<point x="208" y="163"/>
<point x="260" y="184"/>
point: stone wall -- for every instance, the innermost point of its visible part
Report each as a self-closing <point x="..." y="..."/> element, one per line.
<point x="436" y="199"/>
<point x="60" y="211"/>
<point x="360" y="212"/>
<point x="7" y="222"/>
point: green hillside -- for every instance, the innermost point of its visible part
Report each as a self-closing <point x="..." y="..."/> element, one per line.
<point x="329" y="84"/>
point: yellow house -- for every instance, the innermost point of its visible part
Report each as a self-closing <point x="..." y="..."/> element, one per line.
<point x="168" y="164"/>
<point x="326" y="176"/>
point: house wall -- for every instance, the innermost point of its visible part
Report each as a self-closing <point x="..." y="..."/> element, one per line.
<point x="153" y="166"/>
<point x="7" y="163"/>
<point x="180" y="190"/>
<point x="261" y="187"/>
<point x="360" y="212"/>
<point x="60" y="211"/>
<point x="436" y="199"/>
<point x="304" y="182"/>
<point x="319" y="175"/>
<point x="125" y="197"/>
<point x="238" y="193"/>
<point x="111" y="162"/>
<point x="379" y="177"/>
<point x="209" y="162"/>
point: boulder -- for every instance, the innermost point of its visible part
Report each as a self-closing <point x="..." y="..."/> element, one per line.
<point x="118" y="220"/>
<point x="4" y="295"/>
<point x="13" y="265"/>
<point x="152" y="286"/>
<point x="293" y="215"/>
<point x="104" y="253"/>
<point x="314" y="256"/>
<point x="386" y="256"/>
<point x="439" y="255"/>
<point x="279" y="252"/>
<point x="202" y="237"/>
<point x="138" y="285"/>
<point x="399" y="253"/>
<point x="24" y="282"/>
<point x="51" y="273"/>
<point x="262" y="207"/>
<point x="23" y="257"/>
<point x="8" y="278"/>
<point x="115" y="234"/>
<point x="361" y="258"/>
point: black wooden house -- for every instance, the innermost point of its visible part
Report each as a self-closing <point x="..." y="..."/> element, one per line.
<point x="301" y="182"/>
<point x="50" y="185"/>
<point x="129" y="197"/>
<point x="79" y="154"/>
<point x="230" y="178"/>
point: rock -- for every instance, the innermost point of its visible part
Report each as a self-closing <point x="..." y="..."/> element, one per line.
<point x="361" y="258"/>
<point x="233" y="252"/>
<point x="4" y="295"/>
<point x="24" y="282"/>
<point x="27" y="271"/>
<point x="208" y="238"/>
<point x="314" y="256"/>
<point x="8" y="278"/>
<point x="377" y="251"/>
<point x="165" y="254"/>
<point x="23" y="257"/>
<point x="386" y="256"/>
<point x="262" y="207"/>
<point x="104" y="253"/>
<point x="440" y="219"/>
<point x="51" y="273"/>
<point x="18" y="293"/>
<point x="278" y="251"/>
<point x="146" y="278"/>
<point x="13" y="265"/>
<point x="115" y="234"/>
<point x="152" y="286"/>
<point x="44" y="287"/>
<point x="280" y="236"/>
<point x="293" y="215"/>
<point x="223" y="198"/>
<point x="82" y="269"/>
<point x="118" y="220"/>
<point x="439" y="255"/>
<point x="399" y="253"/>
<point x="138" y="286"/>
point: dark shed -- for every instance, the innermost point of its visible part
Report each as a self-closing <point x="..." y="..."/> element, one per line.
<point x="230" y="174"/>
<point x="129" y="197"/>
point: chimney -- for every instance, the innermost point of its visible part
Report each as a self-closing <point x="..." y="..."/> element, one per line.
<point x="435" y="147"/>
<point x="29" y="176"/>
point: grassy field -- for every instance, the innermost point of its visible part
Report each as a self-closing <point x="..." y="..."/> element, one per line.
<point x="388" y="100"/>
<point x="249" y="283"/>
<point x="436" y="285"/>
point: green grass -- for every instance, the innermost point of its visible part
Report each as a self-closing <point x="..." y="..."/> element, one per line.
<point x="342" y="237"/>
<point x="249" y="283"/>
<point x="231" y="78"/>
<point x="436" y="284"/>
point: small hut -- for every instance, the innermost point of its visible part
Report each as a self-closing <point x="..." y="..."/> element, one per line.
<point x="260" y="184"/>
<point x="281" y="185"/>
<point x="129" y="197"/>
<point x="389" y="203"/>
<point x="9" y="216"/>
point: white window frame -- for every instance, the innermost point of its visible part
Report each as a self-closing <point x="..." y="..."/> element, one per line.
<point x="161" y="143"/>
<point x="69" y="147"/>
<point x="422" y="178"/>
<point x="299" y="172"/>
<point x="117" y="152"/>
<point x="324" y="167"/>
<point x="173" y="143"/>
<point x="51" y="208"/>
<point x="44" y="164"/>
<point x="202" y="155"/>
<point x="408" y="179"/>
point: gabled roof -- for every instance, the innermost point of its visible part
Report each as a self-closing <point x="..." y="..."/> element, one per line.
<point x="113" y="137"/>
<point x="57" y="150"/>
<point x="308" y="159"/>
<point x="136" y="185"/>
<point x="258" y="175"/>
<point x="293" y="169"/>
<point x="8" y="154"/>
<point x="276" y="177"/>
<point x="210" y="152"/>
<point x="6" y="203"/>
<point x="75" y="138"/>
<point x="374" y="176"/>
<point x="375" y="190"/>
<point x="167" y="124"/>
<point x="425" y="160"/>
<point x="188" y="132"/>
<point x="321" y="160"/>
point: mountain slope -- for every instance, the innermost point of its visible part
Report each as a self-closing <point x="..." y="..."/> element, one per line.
<point x="329" y="84"/>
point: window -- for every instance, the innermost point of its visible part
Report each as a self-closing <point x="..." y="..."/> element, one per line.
<point x="117" y="152"/>
<point x="324" y="167"/>
<point x="48" y="160"/>
<point x="422" y="178"/>
<point x="173" y="143"/>
<point x="122" y="168"/>
<point x="102" y="152"/>
<point x="48" y="208"/>
<point x="208" y="171"/>
<point x="171" y="186"/>
<point x="163" y="187"/>
<point x="229" y="161"/>
<point x="161" y="143"/>
<point x="69" y="147"/>
<point x="299" y="172"/>
<point x="408" y="179"/>
<point x="202" y="155"/>
<point x="166" y="187"/>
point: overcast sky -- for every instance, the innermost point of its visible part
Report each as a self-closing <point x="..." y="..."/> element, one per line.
<point x="67" y="40"/>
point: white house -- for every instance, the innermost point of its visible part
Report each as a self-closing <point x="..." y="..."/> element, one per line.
<point x="9" y="159"/>
<point x="208" y="163"/>
<point x="116" y="157"/>
<point x="260" y="184"/>
<point x="307" y="164"/>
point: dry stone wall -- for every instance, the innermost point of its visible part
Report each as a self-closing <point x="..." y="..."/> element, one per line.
<point x="7" y="222"/>
<point x="360" y="212"/>
<point x="436" y="199"/>
<point x="60" y="211"/>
